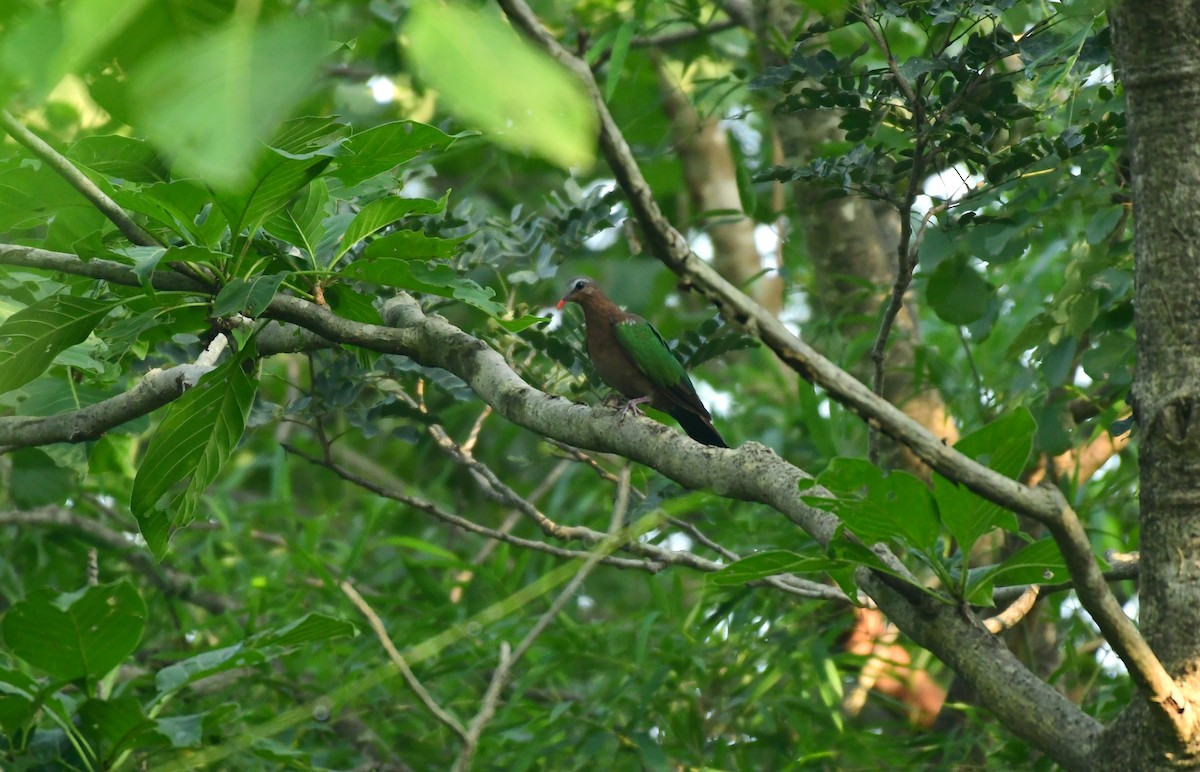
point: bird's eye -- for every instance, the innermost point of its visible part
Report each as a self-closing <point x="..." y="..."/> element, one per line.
<point x="578" y="285"/>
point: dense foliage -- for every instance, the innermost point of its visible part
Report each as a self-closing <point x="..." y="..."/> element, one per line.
<point x="224" y="522"/>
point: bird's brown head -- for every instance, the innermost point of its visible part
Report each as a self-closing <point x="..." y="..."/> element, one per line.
<point x="580" y="290"/>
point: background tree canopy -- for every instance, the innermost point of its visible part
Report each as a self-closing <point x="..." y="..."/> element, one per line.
<point x="288" y="475"/>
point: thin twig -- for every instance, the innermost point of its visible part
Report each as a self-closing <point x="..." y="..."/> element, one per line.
<point x="461" y="522"/>
<point x="906" y="260"/>
<point x="401" y="664"/>
<point x="881" y="40"/>
<point x="699" y="536"/>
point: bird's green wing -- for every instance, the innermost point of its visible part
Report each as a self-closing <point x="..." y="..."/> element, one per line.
<point x="649" y="352"/>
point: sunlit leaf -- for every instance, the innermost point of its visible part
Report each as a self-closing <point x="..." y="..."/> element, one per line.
<point x="529" y="104"/>
<point x="211" y="102"/>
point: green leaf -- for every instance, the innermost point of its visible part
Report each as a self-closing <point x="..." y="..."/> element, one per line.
<point x="616" y="60"/>
<point x="434" y="279"/>
<point x="248" y="296"/>
<point x="1003" y="445"/>
<point x="302" y="222"/>
<point x="383" y="212"/>
<point x="310" y="628"/>
<point x="209" y="102"/>
<point x="18" y="702"/>
<point x="1038" y="563"/>
<point x="177" y="205"/>
<point x="770" y="563"/>
<point x="192" y="443"/>
<point x="522" y="323"/>
<point x="530" y="104"/>
<point x="35" y="480"/>
<point x="384" y="147"/>
<point x="878" y="508"/>
<point x="126" y="158"/>
<point x="1102" y="224"/>
<point x="272" y="184"/>
<point x="412" y="245"/>
<point x="957" y="293"/>
<point x="76" y="635"/>
<point x="111" y="725"/>
<point x="31" y="338"/>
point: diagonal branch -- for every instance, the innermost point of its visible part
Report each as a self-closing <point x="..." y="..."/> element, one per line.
<point x="398" y="660"/>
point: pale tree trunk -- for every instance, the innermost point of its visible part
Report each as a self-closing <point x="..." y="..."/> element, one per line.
<point x="1158" y="53"/>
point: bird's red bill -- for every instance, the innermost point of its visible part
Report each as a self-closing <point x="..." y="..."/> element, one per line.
<point x="561" y="303"/>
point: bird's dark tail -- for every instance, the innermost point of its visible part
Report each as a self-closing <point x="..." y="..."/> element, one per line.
<point x="699" y="428"/>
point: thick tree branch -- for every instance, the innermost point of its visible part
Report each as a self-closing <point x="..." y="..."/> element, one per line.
<point x="1046" y="506"/>
<point x="1019" y="698"/>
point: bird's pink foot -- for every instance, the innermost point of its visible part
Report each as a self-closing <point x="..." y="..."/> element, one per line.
<point x="632" y="406"/>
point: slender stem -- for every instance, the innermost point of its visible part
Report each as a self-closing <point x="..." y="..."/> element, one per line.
<point x="401" y="664"/>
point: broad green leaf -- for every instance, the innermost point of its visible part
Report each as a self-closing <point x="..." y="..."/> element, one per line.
<point x="1036" y="563"/>
<point x="60" y="38"/>
<point x="210" y="102"/>
<point x="35" y="480"/>
<point x="1003" y="445"/>
<point x="202" y="665"/>
<point x="248" y="296"/>
<point x="434" y="279"/>
<point x="310" y="134"/>
<point x="310" y="628"/>
<point x="770" y="563"/>
<point x="383" y="212"/>
<point x="957" y="292"/>
<point x="352" y="304"/>
<point x="181" y="731"/>
<point x="530" y="104"/>
<point x="302" y="223"/>
<point x="181" y="205"/>
<point x="31" y="338"/>
<point x="384" y="147"/>
<point x="272" y="184"/>
<point x="878" y="508"/>
<point x="192" y="443"/>
<point x="522" y="323"/>
<point x="18" y="701"/>
<point x="616" y="61"/>
<point x="76" y="635"/>
<point x="111" y="725"/>
<point x="412" y="245"/>
<point x="126" y="158"/>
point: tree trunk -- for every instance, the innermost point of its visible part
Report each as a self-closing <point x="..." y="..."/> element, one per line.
<point x="1159" y="57"/>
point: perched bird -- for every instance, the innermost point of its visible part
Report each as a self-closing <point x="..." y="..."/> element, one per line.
<point x="633" y="358"/>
